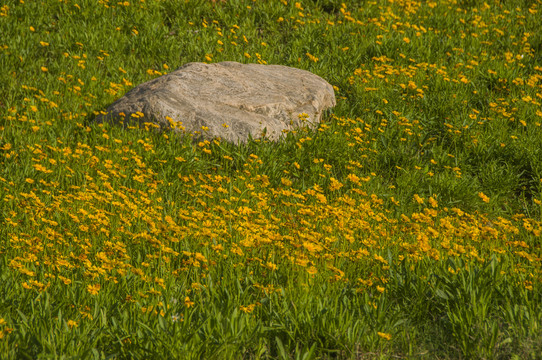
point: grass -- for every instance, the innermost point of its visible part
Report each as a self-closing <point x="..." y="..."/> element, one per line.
<point x="407" y="225"/>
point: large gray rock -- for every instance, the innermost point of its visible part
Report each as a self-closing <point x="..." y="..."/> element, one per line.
<point x="230" y="100"/>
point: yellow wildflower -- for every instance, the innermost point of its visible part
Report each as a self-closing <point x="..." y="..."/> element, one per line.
<point x="94" y="289"/>
<point x="483" y="197"/>
<point x="187" y="302"/>
<point x="385" y="336"/>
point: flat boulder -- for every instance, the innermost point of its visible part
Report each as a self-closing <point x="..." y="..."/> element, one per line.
<point x="227" y="100"/>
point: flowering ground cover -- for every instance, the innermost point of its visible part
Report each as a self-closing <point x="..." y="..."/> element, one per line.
<point x="407" y="225"/>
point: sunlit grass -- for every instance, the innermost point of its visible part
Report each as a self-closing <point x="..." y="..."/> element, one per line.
<point x="407" y="225"/>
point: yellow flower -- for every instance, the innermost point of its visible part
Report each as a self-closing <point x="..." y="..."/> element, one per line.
<point x="72" y="324"/>
<point x="26" y="286"/>
<point x="312" y="57"/>
<point x="247" y="309"/>
<point x="483" y="197"/>
<point x="187" y="302"/>
<point x="353" y="178"/>
<point x="312" y="247"/>
<point x="384" y="335"/>
<point x="65" y="280"/>
<point x="335" y="184"/>
<point x="94" y="289"/>
<point x="200" y="257"/>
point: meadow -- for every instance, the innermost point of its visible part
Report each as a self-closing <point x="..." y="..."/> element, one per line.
<point x="407" y="225"/>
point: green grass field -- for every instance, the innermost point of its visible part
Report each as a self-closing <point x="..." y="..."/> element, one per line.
<point x="406" y="226"/>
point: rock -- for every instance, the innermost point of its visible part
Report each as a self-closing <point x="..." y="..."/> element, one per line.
<point x="227" y="100"/>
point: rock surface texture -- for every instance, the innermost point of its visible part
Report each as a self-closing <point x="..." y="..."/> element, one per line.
<point x="227" y="100"/>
